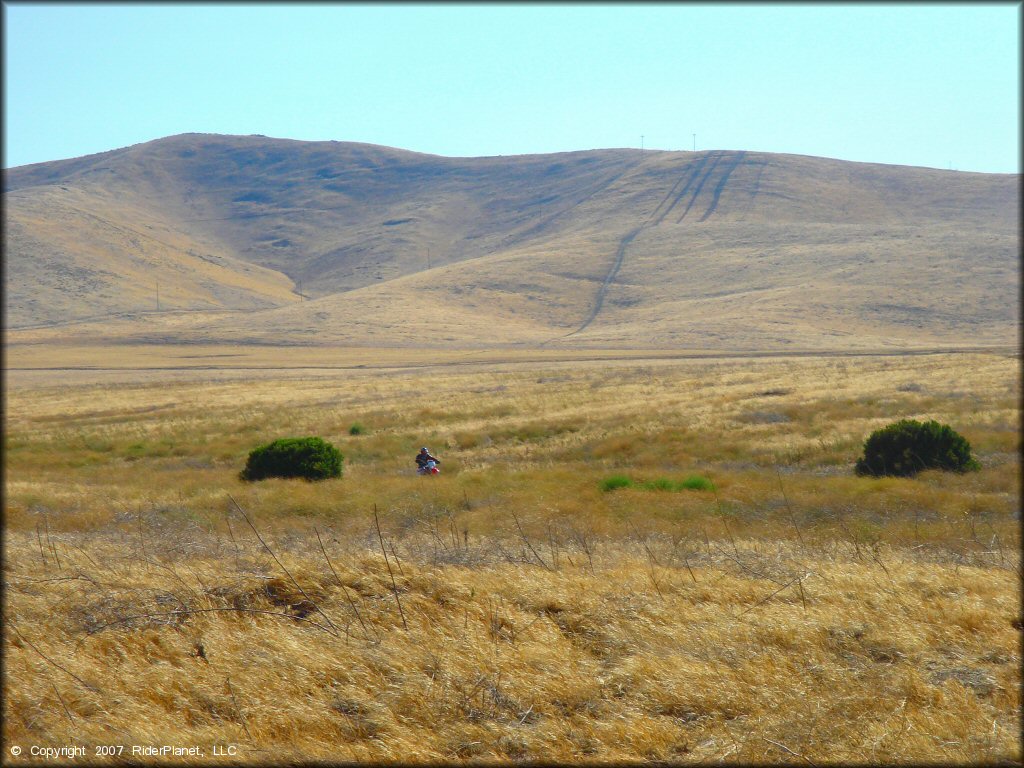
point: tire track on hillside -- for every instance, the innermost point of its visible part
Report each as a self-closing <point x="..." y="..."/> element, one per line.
<point x="688" y="177"/>
<point x="700" y="185"/>
<point x="757" y="182"/>
<point x="592" y="191"/>
<point x="721" y="185"/>
<point x="694" y="173"/>
<point x="603" y="290"/>
<point x="653" y="220"/>
<point x="696" y="170"/>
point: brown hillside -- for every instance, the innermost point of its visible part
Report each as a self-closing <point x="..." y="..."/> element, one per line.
<point x="601" y="248"/>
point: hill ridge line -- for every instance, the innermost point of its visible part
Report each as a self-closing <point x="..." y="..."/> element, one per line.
<point x="529" y="247"/>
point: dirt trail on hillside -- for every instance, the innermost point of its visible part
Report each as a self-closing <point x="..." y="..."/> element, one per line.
<point x="694" y="173"/>
<point x="620" y="255"/>
<point x="700" y="186"/>
<point x="733" y="165"/>
<point x="675" y="195"/>
<point x="587" y="195"/>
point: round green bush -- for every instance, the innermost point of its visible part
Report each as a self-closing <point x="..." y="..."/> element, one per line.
<point x="310" y="458"/>
<point x="907" y="447"/>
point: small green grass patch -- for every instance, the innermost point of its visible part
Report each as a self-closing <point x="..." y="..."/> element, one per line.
<point x="615" y="482"/>
<point x="689" y="483"/>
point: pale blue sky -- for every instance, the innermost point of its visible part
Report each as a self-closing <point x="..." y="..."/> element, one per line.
<point x="915" y="84"/>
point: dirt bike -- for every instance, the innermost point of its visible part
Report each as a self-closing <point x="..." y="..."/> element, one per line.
<point x="430" y="468"/>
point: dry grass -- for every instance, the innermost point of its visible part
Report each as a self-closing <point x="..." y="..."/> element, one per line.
<point x="798" y="614"/>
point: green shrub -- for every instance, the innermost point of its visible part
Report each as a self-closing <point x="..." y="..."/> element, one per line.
<point x="615" y="482"/>
<point x="356" y="429"/>
<point x="310" y="458"/>
<point x="907" y="447"/>
<point x="696" y="483"/>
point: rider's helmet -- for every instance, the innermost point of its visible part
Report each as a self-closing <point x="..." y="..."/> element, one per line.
<point x="424" y="450"/>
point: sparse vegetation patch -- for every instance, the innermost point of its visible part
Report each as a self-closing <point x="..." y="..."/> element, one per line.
<point x="690" y="483"/>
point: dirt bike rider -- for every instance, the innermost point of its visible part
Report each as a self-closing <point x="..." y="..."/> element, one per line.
<point x="423" y="457"/>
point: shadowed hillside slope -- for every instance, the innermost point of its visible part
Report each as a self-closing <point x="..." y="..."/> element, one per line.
<point x="600" y="248"/>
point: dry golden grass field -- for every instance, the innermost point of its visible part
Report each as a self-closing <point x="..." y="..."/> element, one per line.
<point x="510" y="609"/>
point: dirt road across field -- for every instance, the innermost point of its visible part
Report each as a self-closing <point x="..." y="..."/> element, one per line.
<point x="43" y="365"/>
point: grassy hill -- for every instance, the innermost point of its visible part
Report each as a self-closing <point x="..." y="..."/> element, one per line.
<point x="604" y="248"/>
